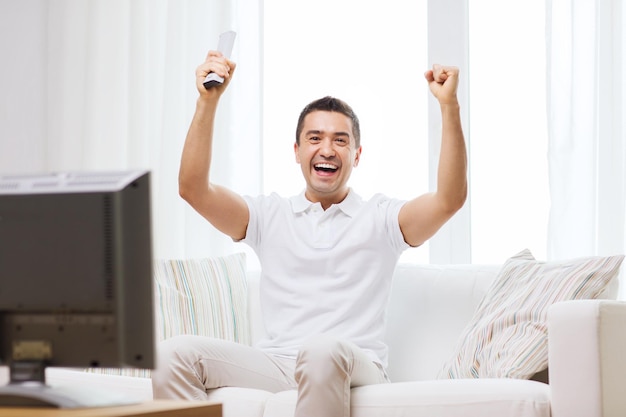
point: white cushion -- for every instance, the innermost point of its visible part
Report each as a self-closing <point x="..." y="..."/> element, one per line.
<point x="441" y="398"/>
<point x="139" y="389"/>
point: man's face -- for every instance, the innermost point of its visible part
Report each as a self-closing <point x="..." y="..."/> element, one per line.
<point x="326" y="154"/>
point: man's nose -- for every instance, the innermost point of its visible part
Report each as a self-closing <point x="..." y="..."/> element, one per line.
<point x="327" y="148"/>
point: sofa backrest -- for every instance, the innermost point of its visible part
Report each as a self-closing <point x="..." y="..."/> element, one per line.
<point x="428" y="308"/>
<point x="430" y="305"/>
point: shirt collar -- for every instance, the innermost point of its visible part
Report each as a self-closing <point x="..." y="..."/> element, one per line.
<point x="350" y="204"/>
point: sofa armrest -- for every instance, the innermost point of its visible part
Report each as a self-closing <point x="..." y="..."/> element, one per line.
<point x="587" y="358"/>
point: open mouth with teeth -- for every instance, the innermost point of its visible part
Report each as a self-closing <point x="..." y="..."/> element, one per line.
<point x="326" y="168"/>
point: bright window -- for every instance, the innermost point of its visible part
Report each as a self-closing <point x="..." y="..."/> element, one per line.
<point x="346" y="49"/>
<point x="508" y="130"/>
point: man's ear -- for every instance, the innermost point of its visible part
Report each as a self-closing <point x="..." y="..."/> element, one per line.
<point x="357" y="157"/>
<point x="295" y="151"/>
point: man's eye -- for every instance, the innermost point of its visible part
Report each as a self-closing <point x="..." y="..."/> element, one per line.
<point x="314" y="139"/>
<point x="341" y="140"/>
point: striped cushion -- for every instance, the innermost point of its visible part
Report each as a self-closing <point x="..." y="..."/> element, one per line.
<point x="205" y="297"/>
<point x="507" y="336"/>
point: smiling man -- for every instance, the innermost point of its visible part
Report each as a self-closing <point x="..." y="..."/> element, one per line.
<point x="327" y="256"/>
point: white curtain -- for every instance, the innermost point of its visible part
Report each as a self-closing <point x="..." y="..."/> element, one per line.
<point x="586" y="64"/>
<point x="120" y="88"/>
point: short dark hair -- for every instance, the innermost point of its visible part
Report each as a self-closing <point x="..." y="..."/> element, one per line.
<point x="331" y="104"/>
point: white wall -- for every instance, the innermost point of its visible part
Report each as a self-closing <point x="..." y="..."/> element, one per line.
<point x="23" y="94"/>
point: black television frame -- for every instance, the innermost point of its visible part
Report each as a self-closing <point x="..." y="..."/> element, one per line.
<point x="76" y="284"/>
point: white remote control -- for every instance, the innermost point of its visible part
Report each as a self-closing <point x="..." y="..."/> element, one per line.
<point x="225" y="46"/>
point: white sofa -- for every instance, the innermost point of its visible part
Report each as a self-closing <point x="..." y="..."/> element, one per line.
<point x="428" y="309"/>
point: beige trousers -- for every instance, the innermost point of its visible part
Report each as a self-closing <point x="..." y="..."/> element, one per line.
<point x="324" y="371"/>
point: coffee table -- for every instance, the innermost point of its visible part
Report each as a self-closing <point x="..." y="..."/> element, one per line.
<point x="157" y="408"/>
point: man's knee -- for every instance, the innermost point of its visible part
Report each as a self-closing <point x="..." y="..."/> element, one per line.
<point x="323" y="357"/>
<point x="171" y="354"/>
<point x="176" y="347"/>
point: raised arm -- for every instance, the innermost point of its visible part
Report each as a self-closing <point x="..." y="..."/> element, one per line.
<point x="224" y="209"/>
<point x="421" y="217"/>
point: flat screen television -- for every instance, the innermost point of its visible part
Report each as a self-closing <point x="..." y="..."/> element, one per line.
<point x="75" y="281"/>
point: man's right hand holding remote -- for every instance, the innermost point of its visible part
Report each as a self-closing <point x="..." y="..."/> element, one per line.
<point x="217" y="63"/>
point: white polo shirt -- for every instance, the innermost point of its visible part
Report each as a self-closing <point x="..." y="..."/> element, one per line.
<point x="325" y="272"/>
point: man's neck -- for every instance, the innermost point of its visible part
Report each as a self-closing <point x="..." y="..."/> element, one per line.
<point x="327" y="200"/>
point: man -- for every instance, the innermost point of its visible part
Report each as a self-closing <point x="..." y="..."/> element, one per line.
<point x="327" y="256"/>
